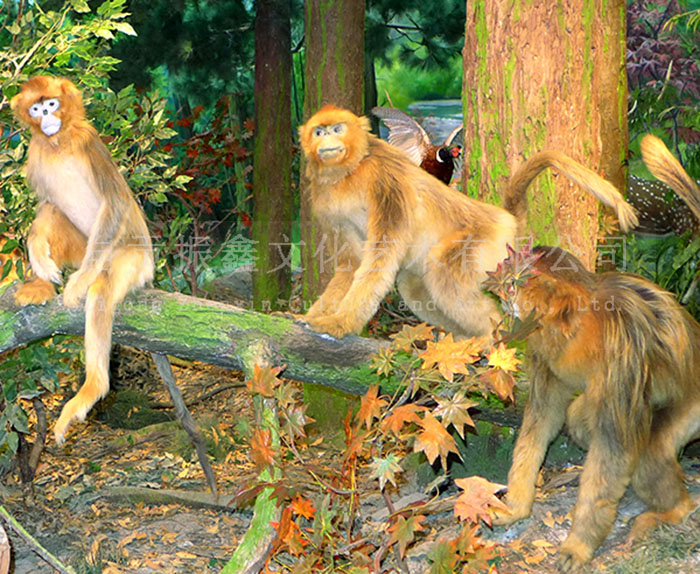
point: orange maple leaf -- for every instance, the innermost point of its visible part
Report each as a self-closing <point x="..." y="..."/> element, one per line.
<point x="503" y="358"/>
<point x="455" y="412"/>
<point x="477" y="498"/>
<point x="450" y="356"/>
<point x="401" y="415"/>
<point x="434" y="440"/>
<point x="370" y="406"/>
<point x="500" y="382"/>
<point x="264" y="380"/>
<point x="303" y="507"/>
<point x="261" y="450"/>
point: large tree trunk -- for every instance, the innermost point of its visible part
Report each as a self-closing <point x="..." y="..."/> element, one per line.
<point x="205" y="331"/>
<point x="272" y="159"/>
<point x="546" y="75"/>
<point x="334" y="73"/>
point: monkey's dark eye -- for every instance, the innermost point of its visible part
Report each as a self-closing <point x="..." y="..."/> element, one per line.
<point x="339" y="129"/>
<point x="35" y="111"/>
<point x="53" y="104"/>
<point x="318" y="132"/>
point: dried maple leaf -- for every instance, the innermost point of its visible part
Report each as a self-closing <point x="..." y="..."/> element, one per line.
<point x="400" y="416"/>
<point x="370" y="406"/>
<point x="503" y="358"/>
<point x="261" y="450"/>
<point x="297" y="420"/>
<point x="455" y="412"/>
<point x="385" y="469"/>
<point x="477" y="498"/>
<point x="382" y="362"/>
<point x="500" y="382"/>
<point x="450" y="356"/>
<point x="434" y="440"/>
<point x="408" y="336"/>
<point x="403" y="531"/>
<point x="264" y="380"/>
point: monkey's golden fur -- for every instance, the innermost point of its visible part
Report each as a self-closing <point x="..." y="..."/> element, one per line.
<point x="617" y="359"/>
<point x="401" y="225"/>
<point x="87" y="218"/>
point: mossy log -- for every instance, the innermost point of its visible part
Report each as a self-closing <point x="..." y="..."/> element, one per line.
<point x="205" y="331"/>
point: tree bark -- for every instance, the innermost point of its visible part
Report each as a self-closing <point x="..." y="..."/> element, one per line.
<point x="546" y="75"/>
<point x="272" y="157"/>
<point x="205" y="331"/>
<point x="334" y="72"/>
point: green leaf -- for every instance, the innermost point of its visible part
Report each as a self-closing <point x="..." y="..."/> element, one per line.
<point x="443" y="558"/>
<point x="13" y="441"/>
<point x="125" y="28"/>
<point x="80" y="6"/>
<point x="9" y="246"/>
<point x="6" y="268"/>
<point x="103" y="32"/>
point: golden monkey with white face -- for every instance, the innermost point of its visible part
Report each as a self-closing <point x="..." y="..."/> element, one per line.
<point x="401" y="225"/>
<point x="87" y="218"/>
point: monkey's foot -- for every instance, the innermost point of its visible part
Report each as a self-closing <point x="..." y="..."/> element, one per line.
<point x="574" y="554"/>
<point x="331" y="324"/>
<point x="647" y="521"/>
<point x="506" y="519"/>
<point x="36" y="292"/>
<point x="73" y="411"/>
<point x="75" y="289"/>
<point x="289" y="315"/>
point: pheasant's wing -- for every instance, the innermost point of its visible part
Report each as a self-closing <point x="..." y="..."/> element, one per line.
<point x="404" y="132"/>
<point x="452" y="135"/>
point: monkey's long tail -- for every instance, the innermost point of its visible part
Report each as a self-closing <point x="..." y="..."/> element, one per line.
<point x="662" y="163"/>
<point x="515" y="199"/>
<point x="99" y="315"/>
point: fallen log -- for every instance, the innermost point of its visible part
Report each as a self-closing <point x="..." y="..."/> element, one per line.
<point x="206" y="331"/>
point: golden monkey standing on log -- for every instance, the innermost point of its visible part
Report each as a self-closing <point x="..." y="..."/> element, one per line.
<point x="87" y="218"/>
<point x="401" y="225"/>
<point x="618" y="359"/>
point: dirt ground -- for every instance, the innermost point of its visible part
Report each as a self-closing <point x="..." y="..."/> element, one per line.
<point x="74" y="515"/>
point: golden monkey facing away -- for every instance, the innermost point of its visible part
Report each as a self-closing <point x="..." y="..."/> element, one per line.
<point x="87" y="218"/>
<point x="401" y="225"/>
<point x="617" y="359"/>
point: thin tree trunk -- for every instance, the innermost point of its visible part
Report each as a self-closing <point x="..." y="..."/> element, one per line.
<point x="334" y="73"/>
<point x="272" y="158"/>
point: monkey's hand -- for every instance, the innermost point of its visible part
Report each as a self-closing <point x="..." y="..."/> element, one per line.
<point x="574" y="554"/>
<point x="333" y="324"/>
<point x="76" y="288"/>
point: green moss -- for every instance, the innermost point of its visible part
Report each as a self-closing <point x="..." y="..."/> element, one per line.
<point x="588" y="18"/>
<point x="339" y="57"/>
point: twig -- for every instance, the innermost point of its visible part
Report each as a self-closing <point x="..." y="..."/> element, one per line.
<point x="44" y="554"/>
<point x="166" y="373"/>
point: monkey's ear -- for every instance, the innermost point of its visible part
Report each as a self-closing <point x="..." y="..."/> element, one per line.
<point x="68" y="89"/>
<point x="364" y="123"/>
<point x="14" y="102"/>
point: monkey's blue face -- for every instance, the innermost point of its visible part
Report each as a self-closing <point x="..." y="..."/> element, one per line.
<point x="45" y="111"/>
